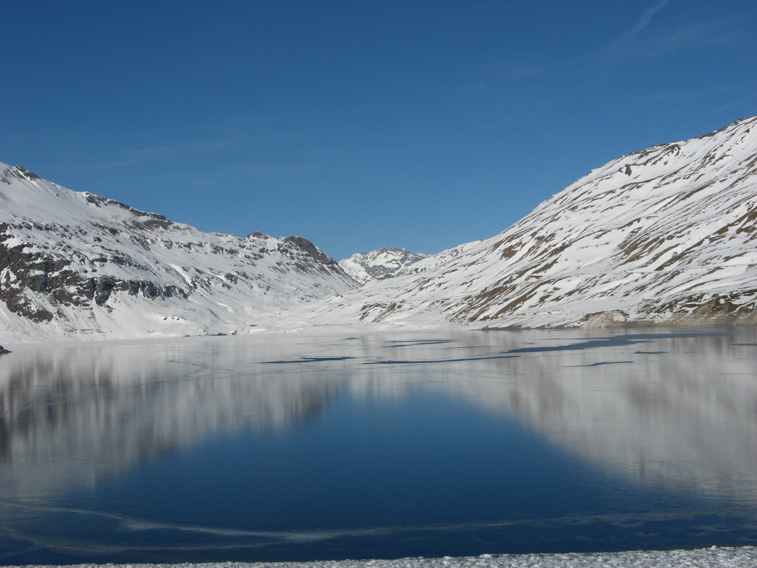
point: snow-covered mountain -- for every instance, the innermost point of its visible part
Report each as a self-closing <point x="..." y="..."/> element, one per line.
<point x="667" y="234"/>
<point x="77" y="264"/>
<point x="378" y="264"/>
<point x="664" y="235"/>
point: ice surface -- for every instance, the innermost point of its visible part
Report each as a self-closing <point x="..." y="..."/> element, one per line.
<point x="658" y="421"/>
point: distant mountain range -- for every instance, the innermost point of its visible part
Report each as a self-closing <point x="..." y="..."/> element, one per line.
<point x="379" y="264"/>
<point x="664" y="235"/>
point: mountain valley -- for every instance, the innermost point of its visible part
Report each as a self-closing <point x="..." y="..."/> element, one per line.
<point x="666" y="235"/>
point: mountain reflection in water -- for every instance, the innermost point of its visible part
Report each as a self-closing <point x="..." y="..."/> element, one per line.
<point x="670" y="410"/>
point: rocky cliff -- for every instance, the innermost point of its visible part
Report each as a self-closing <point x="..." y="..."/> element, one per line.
<point x="78" y="264"/>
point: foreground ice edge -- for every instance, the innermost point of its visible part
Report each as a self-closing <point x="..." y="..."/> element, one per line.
<point x="735" y="557"/>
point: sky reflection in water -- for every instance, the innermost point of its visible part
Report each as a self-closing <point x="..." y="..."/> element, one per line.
<point x="299" y="447"/>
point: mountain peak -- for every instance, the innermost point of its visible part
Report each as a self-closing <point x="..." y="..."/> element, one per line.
<point x="378" y="264"/>
<point x="79" y="264"/>
<point x="664" y="235"/>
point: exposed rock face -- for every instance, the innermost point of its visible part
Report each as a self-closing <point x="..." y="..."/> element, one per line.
<point x="379" y="264"/>
<point x="80" y="264"/>
<point x="612" y="318"/>
<point x="311" y="250"/>
<point x="664" y="235"/>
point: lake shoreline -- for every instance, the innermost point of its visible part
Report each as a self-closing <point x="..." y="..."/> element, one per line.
<point x="731" y="557"/>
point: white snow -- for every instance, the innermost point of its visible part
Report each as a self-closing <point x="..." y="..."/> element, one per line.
<point x="643" y="234"/>
<point x="378" y="264"/>
<point x="742" y="557"/>
<point x="203" y="283"/>
<point x="653" y="234"/>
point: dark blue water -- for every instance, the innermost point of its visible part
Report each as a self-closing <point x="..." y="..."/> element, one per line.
<point x="305" y="448"/>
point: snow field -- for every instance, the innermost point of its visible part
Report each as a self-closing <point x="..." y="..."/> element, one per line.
<point x="743" y="557"/>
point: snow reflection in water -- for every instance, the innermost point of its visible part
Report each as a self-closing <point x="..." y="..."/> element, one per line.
<point x="92" y="437"/>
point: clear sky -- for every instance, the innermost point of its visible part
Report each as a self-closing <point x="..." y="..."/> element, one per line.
<point x="363" y="123"/>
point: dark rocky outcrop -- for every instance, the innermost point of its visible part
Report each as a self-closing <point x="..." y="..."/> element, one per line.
<point x="73" y="261"/>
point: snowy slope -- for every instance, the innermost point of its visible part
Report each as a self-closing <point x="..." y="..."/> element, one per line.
<point x="666" y="234"/>
<point x="76" y="264"/>
<point x="378" y="264"/>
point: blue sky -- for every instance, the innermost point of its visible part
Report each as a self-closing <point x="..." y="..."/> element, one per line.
<point x="360" y="124"/>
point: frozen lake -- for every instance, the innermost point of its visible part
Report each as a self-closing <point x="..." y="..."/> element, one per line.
<point x="310" y="447"/>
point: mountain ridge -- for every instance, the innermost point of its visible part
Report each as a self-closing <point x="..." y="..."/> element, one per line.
<point x="661" y="235"/>
<point x="379" y="264"/>
<point x="664" y="235"/>
<point x="77" y="264"/>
